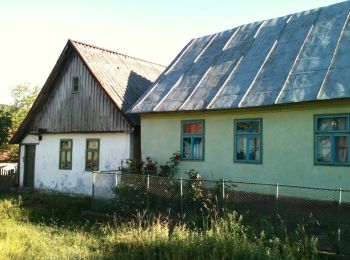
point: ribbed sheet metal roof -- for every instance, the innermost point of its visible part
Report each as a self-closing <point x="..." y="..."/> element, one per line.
<point x="123" y="77"/>
<point x="295" y="58"/>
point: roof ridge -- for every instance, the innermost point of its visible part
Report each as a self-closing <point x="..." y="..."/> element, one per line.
<point x="118" y="53"/>
<point x="274" y="56"/>
<point x="272" y="18"/>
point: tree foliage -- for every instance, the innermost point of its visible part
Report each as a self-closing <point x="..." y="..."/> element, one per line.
<point x="23" y="97"/>
<point x="5" y="125"/>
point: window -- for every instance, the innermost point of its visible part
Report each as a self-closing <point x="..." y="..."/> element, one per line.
<point x="66" y="154"/>
<point x="192" y="144"/>
<point x="92" y="154"/>
<point x="332" y="137"/>
<point x="75" y="84"/>
<point x="248" y="141"/>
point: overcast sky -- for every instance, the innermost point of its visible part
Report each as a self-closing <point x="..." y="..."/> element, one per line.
<point x="34" y="32"/>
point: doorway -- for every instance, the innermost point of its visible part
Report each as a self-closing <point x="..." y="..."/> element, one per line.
<point x="29" y="165"/>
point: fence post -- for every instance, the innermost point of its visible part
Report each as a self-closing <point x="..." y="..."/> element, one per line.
<point x="338" y="220"/>
<point x="147" y="192"/>
<point x="276" y="202"/>
<point x="181" y="196"/>
<point x="223" y="196"/>
<point x="93" y="191"/>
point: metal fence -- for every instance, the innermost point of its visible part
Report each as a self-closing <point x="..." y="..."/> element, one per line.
<point x="8" y="178"/>
<point x="323" y="213"/>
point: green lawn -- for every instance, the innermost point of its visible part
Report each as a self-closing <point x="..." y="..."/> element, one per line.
<point x="43" y="226"/>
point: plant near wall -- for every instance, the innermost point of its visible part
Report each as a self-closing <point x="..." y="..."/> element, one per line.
<point x="123" y="167"/>
<point x="131" y="166"/>
<point x="135" y="166"/>
<point x="170" y="168"/>
<point x="149" y="167"/>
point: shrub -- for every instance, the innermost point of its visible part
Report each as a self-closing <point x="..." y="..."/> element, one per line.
<point x="149" y="167"/>
<point x="131" y="166"/>
<point x="169" y="169"/>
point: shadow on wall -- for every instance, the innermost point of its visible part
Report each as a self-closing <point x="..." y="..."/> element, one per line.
<point x="137" y="86"/>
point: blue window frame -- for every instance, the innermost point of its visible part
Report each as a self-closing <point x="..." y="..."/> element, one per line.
<point x="248" y="140"/>
<point x="332" y="139"/>
<point x="192" y="141"/>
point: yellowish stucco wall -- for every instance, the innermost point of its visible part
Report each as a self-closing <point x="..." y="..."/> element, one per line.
<point x="288" y="144"/>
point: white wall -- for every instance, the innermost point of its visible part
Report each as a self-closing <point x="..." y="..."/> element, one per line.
<point x="114" y="147"/>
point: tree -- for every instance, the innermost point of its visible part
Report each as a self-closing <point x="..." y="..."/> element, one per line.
<point x="5" y="125"/>
<point x="23" y="96"/>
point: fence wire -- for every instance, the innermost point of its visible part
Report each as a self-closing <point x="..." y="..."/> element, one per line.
<point x="322" y="213"/>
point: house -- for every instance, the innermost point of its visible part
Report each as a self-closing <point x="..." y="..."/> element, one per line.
<point x="264" y="102"/>
<point x="78" y="122"/>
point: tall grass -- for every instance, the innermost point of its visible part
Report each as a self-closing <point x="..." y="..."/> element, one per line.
<point x="43" y="226"/>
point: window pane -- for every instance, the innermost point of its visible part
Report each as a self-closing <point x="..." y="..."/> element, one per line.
<point x="89" y="160"/>
<point x="341" y="149"/>
<point x="241" y="153"/>
<point x="254" y="149"/>
<point x="63" y="159"/>
<point x="193" y="128"/>
<point x="324" y="149"/>
<point x="197" y="148"/>
<point x="66" y="144"/>
<point x="75" y="84"/>
<point x="92" y="144"/>
<point x="247" y="127"/>
<point x="186" y="148"/>
<point x="332" y="124"/>
<point x="69" y="159"/>
<point x="95" y="161"/>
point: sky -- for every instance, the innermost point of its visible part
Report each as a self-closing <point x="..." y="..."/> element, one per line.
<point x="34" y="32"/>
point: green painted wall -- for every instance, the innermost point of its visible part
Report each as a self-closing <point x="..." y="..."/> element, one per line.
<point x="288" y="144"/>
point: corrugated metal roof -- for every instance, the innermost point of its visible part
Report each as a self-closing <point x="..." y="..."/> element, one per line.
<point x="123" y="77"/>
<point x="296" y="58"/>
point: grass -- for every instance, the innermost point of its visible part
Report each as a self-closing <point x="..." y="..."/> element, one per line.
<point x="47" y="226"/>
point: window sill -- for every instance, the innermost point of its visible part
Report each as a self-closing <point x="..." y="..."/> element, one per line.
<point x="333" y="164"/>
<point x="192" y="160"/>
<point x="247" y="162"/>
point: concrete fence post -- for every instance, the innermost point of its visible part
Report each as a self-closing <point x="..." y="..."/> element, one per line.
<point x="147" y="192"/>
<point x="276" y="202"/>
<point x="338" y="220"/>
<point x="181" y="196"/>
<point x="223" y="196"/>
<point x="93" y="190"/>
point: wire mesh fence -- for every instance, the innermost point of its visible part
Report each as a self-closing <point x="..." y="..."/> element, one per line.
<point x="322" y="213"/>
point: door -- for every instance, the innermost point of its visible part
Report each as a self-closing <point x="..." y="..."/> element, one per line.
<point x="29" y="159"/>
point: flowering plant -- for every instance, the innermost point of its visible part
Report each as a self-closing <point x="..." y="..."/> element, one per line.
<point x="169" y="169"/>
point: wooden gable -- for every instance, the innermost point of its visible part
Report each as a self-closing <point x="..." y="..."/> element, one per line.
<point x="87" y="110"/>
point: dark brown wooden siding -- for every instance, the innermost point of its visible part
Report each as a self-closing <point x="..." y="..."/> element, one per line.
<point x="88" y="110"/>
